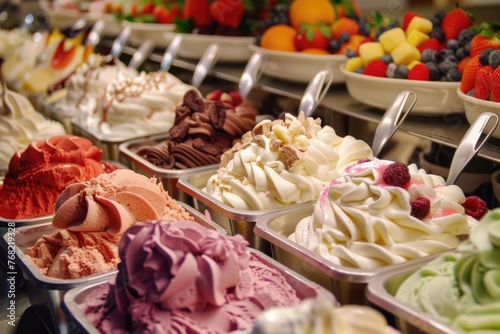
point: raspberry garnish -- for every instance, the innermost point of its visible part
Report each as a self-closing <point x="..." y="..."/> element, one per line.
<point x="420" y="207"/>
<point x="475" y="207"/>
<point x="360" y="161"/>
<point x="397" y="174"/>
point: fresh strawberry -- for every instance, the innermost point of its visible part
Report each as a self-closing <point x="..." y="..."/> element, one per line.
<point x="376" y="68"/>
<point x="344" y="24"/>
<point x="482" y="87"/>
<point x="312" y="36"/>
<point x="419" y="72"/>
<point x="454" y="22"/>
<point x="469" y="74"/>
<point x="462" y="63"/>
<point x="432" y="43"/>
<point x="236" y="97"/>
<point x="215" y="95"/>
<point x="164" y="15"/>
<point x="134" y="9"/>
<point x="495" y="85"/>
<point x="227" y="12"/>
<point x="148" y="8"/>
<point x="487" y="37"/>
<point x="198" y="11"/>
<point x="407" y="19"/>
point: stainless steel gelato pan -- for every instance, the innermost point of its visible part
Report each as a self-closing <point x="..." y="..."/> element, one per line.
<point x="45" y="292"/>
<point x="168" y="177"/>
<point x="233" y="220"/>
<point x="381" y="291"/>
<point x="74" y="298"/>
<point x="347" y="284"/>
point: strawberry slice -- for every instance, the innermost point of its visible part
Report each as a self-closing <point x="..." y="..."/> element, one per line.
<point x="61" y="57"/>
<point x="227" y="12"/>
<point x="198" y="11"/>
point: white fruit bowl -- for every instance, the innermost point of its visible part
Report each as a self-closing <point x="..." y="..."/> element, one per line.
<point x="434" y="98"/>
<point x="475" y="107"/>
<point x="300" y="67"/>
<point x="232" y="49"/>
<point x="152" y="31"/>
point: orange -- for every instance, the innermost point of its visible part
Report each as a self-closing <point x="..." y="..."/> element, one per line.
<point x="315" y="51"/>
<point x="344" y="24"/>
<point x="311" y="12"/>
<point x="279" y="37"/>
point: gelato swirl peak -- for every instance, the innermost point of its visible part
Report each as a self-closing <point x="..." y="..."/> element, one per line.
<point x="201" y="270"/>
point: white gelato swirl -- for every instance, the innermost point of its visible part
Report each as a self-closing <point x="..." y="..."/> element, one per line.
<point x="282" y="163"/>
<point x="87" y="85"/>
<point x="10" y="40"/>
<point x="22" y="126"/>
<point x="360" y="221"/>
<point x="140" y="105"/>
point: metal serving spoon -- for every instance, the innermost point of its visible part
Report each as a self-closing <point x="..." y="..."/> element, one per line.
<point x="206" y="63"/>
<point x="251" y="74"/>
<point x="141" y="54"/>
<point x="315" y="92"/>
<point x="471" y="143"/>
<point x="392" y="119"/>
<point x="171" y="52"/>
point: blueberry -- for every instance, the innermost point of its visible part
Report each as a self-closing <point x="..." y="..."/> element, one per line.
<point x="333" y="46"/>
<point x="440" y="15"/>
<point x="483" y="57"/>
<point x="391" y="70"/>
<point x="435" y="21"/>
<point x="349" y="53"/>
<point x="438" y="34"/>
<point x="258" y="38"/>
<point x="386" y="58"/>
<point x="429" y="55"/>
<point x="471" y="92"/>
<point x="401" y="72"/>
<point x="494" y="58"/>
<point x="443" y="78"/>
<point x="454" y="75"/>
<point x="467" y="48"/>
<point x="434" y="72"/>
<point x="446" y="66"/>
<point x="452" y="44"/>
<point x="465" y="36"/>
<point x="345" y="37"/>
<point x="461" y="53"/>
<point x="359" y="70"/>
<point x="446" y="53"/>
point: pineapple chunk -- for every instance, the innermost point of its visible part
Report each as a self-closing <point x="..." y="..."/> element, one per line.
<point x="420" y="24"/>
<point x="391" y="39"/>
<point x="405" y="53"/>
<point x="354" y="63"/>
<point x="371" y="51"/>
<point x="416" y="38"/>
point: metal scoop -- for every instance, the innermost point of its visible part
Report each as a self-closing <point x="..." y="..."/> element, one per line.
<point x="5" y="110"/>
<point x="470" y="144"/>
<point x="95" y="33"/>
<point x="251" y="74"/>
<point x="392" y="119"/>
<point x="206" y="63"/>
<point x="315" y="92"/>
<point x="141" y="54"/>
<point x="171" y="52"/>
<point x="119" y="43"/>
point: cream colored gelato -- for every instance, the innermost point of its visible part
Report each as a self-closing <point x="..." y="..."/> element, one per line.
<point x="132" y="107"/>
<point x="20" y="124"/>
<point x="10" y="40"/>
<point x="87" y="85"/>
<point x="361" y="221"/>
<point x="283" y="162"/>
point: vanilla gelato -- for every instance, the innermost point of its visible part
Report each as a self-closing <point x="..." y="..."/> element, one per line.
<point x="283" y="162"/>
<point x="369" y="218"/>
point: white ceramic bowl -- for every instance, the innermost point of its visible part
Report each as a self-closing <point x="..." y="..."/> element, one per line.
<point x="300" y="67"/>
<point x="233" y="49"/>
<point x="435" y="98"/>
<point x="152" y="31"/>
<point x="475" y="107"/>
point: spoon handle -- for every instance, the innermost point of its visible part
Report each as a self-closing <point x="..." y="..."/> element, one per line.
<point x="141" y="54"/>
<point x="392" y="119"/>
<point x="471" y="143"/>
<point x="252" y="73"/>
<point x="95" y="34"/>
<point x="315" y="92"/>
<point x="119" y="42"/>
<point x="207" y="61"/>
<point x="171" y="52"/>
